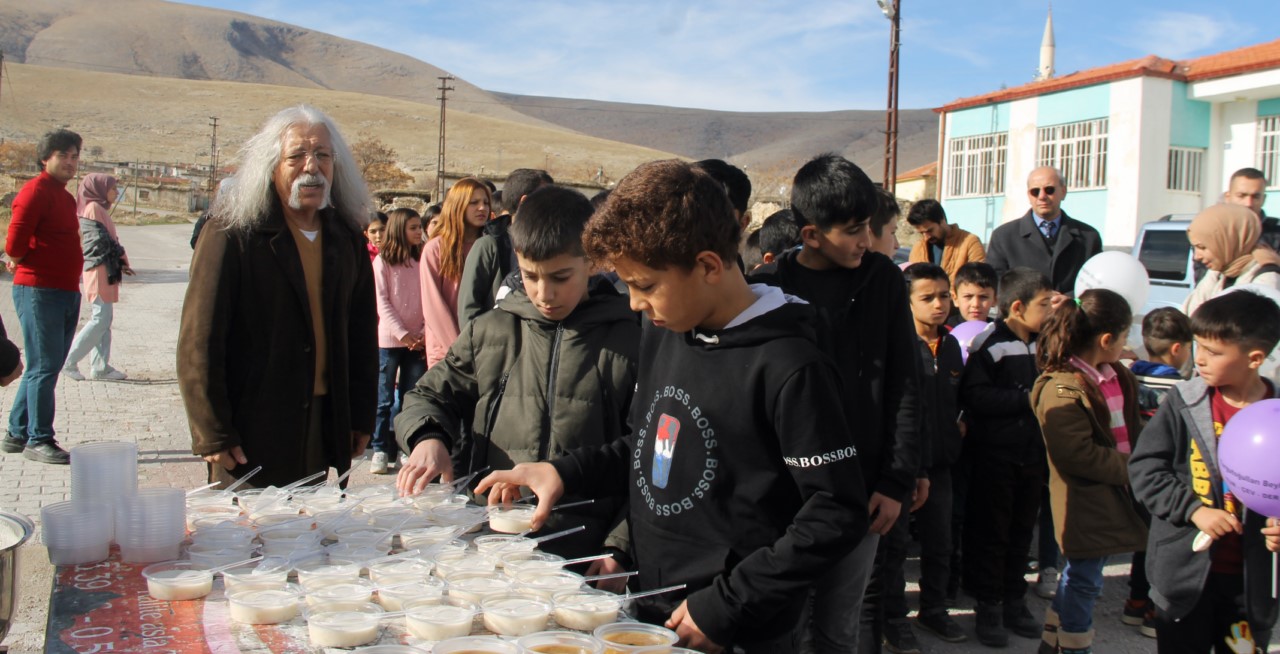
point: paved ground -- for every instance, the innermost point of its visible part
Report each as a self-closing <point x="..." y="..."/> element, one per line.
<point x="147" y="409"/>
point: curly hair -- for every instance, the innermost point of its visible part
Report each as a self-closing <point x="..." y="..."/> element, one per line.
<point x="663" y="214"/>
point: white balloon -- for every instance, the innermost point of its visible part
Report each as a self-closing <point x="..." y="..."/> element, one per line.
<point x="1119" y="272"/>
<point x="1271" y="367"/>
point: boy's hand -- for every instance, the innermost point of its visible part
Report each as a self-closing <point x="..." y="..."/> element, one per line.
<point x="608" y="567"/>
<point x="428" y="460"/>
<point x="690" y="635"/>
<point x="1216" y="522"/>
<point x="920" y="495"/>
<point x="541" y="478"/>
<point x="884" y="512"/>
<point x="1272" y="534"/>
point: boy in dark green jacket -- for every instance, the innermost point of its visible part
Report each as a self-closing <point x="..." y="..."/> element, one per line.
<point x="551" y="370"/>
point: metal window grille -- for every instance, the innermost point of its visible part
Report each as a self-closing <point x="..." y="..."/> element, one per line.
<point x="977" y="165"/>
<point x="1185" y="166"/>
<point x="1269" y="149"/>
<point x="1077" y="150"/>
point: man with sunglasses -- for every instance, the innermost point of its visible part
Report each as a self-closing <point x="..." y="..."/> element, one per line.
<point x="1045" y="238"/>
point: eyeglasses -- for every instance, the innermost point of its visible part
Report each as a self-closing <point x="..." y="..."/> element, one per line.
<point x="1035" y="192"/>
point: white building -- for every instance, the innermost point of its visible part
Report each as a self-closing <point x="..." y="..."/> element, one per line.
<point x="1136" y="140"/>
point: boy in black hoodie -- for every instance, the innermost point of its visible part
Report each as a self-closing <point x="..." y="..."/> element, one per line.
<point x="868" y="332"/>
<point x="742" y="477"/>
<point x="1007" y="453"/>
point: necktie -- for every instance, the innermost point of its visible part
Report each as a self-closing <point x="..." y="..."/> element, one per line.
<point x="1049" y="229"/>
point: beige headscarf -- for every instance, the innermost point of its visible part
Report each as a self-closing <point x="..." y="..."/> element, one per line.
<point x="1231" y="233"/>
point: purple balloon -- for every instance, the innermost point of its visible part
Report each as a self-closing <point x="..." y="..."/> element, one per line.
<point x="965" y="332"/>
<point x="1248" y="452"/>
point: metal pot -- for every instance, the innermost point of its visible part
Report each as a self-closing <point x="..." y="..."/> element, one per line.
<point x="15" y="529"/>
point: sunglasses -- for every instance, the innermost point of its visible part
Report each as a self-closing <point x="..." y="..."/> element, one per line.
<point x="1035" y="192"/>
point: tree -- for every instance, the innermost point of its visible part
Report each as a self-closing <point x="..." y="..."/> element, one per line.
<point x="18" y="155"/>
<point x="377" y="162"/>
<point x="95" y="151"/>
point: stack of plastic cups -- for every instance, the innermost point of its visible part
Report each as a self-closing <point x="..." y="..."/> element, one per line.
<point x="151" y="525"/>
<point x="76" y="533"/>
<point x="104" y="473"/>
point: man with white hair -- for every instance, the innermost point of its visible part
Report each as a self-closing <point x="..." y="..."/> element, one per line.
<point x="277" y="349"/>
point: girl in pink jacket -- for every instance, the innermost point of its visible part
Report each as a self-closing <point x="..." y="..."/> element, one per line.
<point x="400" y="326"/>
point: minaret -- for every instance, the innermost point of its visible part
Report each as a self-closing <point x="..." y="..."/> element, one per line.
<point x="1046" y="49"/>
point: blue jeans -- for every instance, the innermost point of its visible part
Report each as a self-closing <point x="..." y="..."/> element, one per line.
<point x="410" y="366"/>
<point x="1078" y="589"/>
<point x="96" y="336"/>
<point x="48" y="318"/>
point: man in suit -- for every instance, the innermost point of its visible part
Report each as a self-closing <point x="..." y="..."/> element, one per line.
<point x="1045" y="238"/>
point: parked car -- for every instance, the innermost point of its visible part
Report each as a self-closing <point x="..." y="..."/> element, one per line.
<point x="1164" y="250"/>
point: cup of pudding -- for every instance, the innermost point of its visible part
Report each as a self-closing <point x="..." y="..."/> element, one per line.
<point x="665" y="649"/>
<point x="330" y="522"/>
<point x="224" y="535"/>
<point x="399" y="570"/>
<point x="424" y="537"/>
<point x="511" y="520"/>
<point x="449" y="564"/>
<point x="514" y="563"/>
<point x="265" y="605"/>
<point x="283" y="541"/>
<point x="560" y="642"/>
<point x="348" y="627"/>
<point x="281" y="516"/>
<point x="498" y="545"/>
<point x="515" y="614"/>
<point x="213" y="556"/>
<point x="315" y="574"/>
<point x="459" y="515"/>
<point x="349" y="553"/>
<point x="355" y="590"/>
<point x="391" y="649"/>
<point x="394" y="598"/>
<point x="251" y="577"/>
<point x="586" y="609"/>
<point x="546" y="583"/>
<point x="626" y="637"/>
<point x="210" y="497"/>
<point x="196" y="514"/>
<point x="476" y="645"/>
<point x="175" y="581"/>
<point x="440" y="618"/>
<point x="363" y="535"/>
<point x="476" y="586"/>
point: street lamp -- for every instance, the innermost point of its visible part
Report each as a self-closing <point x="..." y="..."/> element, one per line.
<point x="892" y="11"/>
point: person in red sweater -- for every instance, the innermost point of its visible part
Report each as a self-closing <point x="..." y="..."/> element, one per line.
<point x="43" y="245"/>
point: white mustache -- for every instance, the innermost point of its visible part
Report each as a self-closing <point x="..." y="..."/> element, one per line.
<point x="307" y="179"/>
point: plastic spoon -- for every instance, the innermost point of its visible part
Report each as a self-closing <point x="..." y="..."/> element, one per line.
<point x="571" y="530"/>
<point x="343" y="477"/>
<point x="240" y="482"/>
<point x="309" y="478"/>
<point x="570" y="505"/>
<point x="407" y="554"/>
<point x="586" y="559"/>
<point x="193" y="491"/>
<point x="616" y="575"/>
<point x="466" y="479"/>
<point x="656" y="591"/>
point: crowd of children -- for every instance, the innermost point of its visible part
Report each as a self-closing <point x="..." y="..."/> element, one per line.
<point x="768" y="420"/>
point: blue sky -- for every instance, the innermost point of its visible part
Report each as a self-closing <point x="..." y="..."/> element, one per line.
<point x="794" y="55"/>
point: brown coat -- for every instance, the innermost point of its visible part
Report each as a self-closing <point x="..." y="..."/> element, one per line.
<point x="959" y="248"/>
<point x="245" y="359"/>
<point x="1093" y="509"/>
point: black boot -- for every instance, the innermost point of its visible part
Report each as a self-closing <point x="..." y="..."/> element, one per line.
<point x="991" y="631"/>
<point x="1018" y="619"/>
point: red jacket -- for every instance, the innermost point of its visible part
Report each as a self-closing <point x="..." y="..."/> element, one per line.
<point x="45" y="233"/>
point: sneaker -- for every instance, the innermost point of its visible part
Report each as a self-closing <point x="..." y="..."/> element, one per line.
<point x="1148" y="627"/>
<point x="110" y="375"/>
<point x="12" y="445"/>
<point x="403" y="461"/>
<point x="72" y="373"/>
<point x="1018" y="619"/>
<point x="1046" y="585"/>
<point x="899" y="638"/>
<point x="378" y="464"/>
<point x="1134" y="612"/>
<point x="990" y="630"/>
<point x="47" y="452"/>
<point x="941" y="625"/>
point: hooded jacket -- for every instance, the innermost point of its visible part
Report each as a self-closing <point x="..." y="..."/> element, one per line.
<point x="995" y="391"/>
<point x="1163" y="473"/>
<point x="532" y="389"/>
<point x="1093" y="509"/>
<point x="742" y="478"/>
<point x="870" y="335"/>
<point x="939" y="401"/>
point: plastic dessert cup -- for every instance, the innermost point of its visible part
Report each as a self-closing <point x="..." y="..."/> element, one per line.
<point x="499" y="545"/>
<point x="440" y="618"/>
<point x="451" y="564"/>
<point x="515" y="614"/>
<point x="357" y="590"/>
<point x="343" y="628"/>
<point x="394" y="599"/>
<point x="476" y="645"/>
<point x="546" y="583"/>
<point x="178" y="580"/>
<point x="514" y="563"/>
<point x="265" y="605"/>
<point x="513" y="520"/>
<point x="316" y="575"/>
<point x="476" y="586"/>
<point x="250" y="577"/>
<point x="586" y="609"/>
<point x="626" y="637"/>
<point x="561" y="642"/>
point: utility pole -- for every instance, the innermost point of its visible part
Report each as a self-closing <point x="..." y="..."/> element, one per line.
<point x="135" y="189"/>
<point x="213" y="158"/>
<point x="894" y="14"/>
<point x="444" y="89"/>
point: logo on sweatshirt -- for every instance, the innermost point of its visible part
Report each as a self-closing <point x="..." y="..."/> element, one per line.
<point x="664" y="449"/>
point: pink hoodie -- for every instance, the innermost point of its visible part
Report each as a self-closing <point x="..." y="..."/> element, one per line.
<point x="399" y="301"/>
<point x="439" y="303"/>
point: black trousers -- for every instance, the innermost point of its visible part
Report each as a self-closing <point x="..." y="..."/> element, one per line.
<point x="1000" y="519"/>
<point x="933" y="527"/>
<point x="1217" y="617"/>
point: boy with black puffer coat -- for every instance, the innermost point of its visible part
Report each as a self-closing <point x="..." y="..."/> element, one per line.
<point x="1216" y="598"/>
<point x="742" y="476"/>
<point x="1007" y="453"/>
<point x="552" y="369"/>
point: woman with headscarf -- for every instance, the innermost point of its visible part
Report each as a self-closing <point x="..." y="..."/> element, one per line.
<point x="1224" y="238"/>
<point x="104" y="264"/>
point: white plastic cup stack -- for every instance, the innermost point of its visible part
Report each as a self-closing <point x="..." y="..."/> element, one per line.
<point x="151" y="525"/>
<point x="76" y="533"/>
<point x="103" y="473"/>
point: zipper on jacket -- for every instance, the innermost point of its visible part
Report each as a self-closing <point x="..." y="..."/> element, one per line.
<point x="544" y="443"/>
<point x="490" y="420"/>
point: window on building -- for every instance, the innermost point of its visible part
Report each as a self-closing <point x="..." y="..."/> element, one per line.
<point x="144" y="195"/>
<point x="1078" y="151"/>
<point x="1185" y="165"/>
<point x="1269" y="149"/>
<point x="977" y="165"/>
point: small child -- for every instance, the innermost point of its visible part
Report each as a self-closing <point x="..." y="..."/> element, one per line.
<point x="1166" y="336"/>
<point x="929" y="289"/>
<point x="1086" y="403"/>
<point x="400" y="327"/>
<point x="431" y="220"/>
<point x="1219" y="599"/>
<point x="1008" y="459"/>
<point x="975" y="292"/>
<point x="373" y="234"/>
<point x="741" y="473"/>
<point x="778" y="233"/>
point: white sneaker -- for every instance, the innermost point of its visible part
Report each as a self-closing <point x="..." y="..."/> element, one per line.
<point x="72" y="373"/>
<point x="109" y="375"/>
<point x="1046" y="585"/>
<point x="378" y="464"/>
<point x="404" y="460"/>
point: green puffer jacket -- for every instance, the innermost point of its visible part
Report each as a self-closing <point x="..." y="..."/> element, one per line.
<point x="517" y="387"/>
